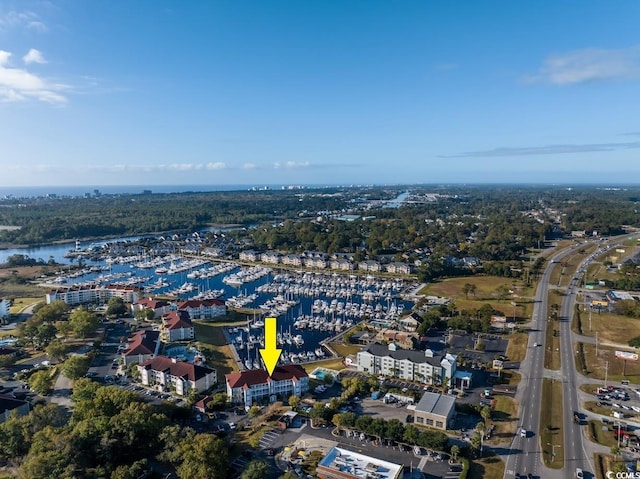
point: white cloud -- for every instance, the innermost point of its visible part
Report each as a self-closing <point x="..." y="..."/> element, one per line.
<point x="17" y="84"/>
<point x="589" y="65"/>
<point x="216" y="166"/>
<point x="170" y="167"/>
<point x="249" y="166"/>
<point x="25" y="18"/>
<point x="34" y="56"/>
<point x="292" y="164"/>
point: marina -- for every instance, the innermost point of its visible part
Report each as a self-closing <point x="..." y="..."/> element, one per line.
<point x="311" y="307"/>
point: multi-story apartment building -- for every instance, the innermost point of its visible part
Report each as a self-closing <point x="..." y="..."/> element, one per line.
<point x="250" y="255"/>
<point x="74" y="295"/>
<point x="248" y="387"/>
<point x="143" y="345"/>
<point x="203" y="308"/>
<point x="168" y="374"/>
<point x="4" y="307"/>
<point x="177" y="326"/>
<point x="424" y="366"/>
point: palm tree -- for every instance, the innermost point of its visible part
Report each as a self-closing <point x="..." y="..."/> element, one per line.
<point x="455" y="450"/>
<point x="481" y="428"/>
<point x="485" y="412"/>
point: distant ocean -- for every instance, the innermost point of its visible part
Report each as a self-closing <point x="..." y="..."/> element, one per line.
<point x="32" y="191"/>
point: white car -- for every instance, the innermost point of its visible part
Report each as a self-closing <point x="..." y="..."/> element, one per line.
<point x="523" y="432"/>
<point x="232" y="425"/>
<point x="579" y="473"/>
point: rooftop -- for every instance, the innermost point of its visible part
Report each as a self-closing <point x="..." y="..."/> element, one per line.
<point x="260" y="376"/>
<point x="435" y="403"/>
<point x="415" y="356"/>
<point x="179" y="369"/>
<point x="355" y="465"/>
<point x="177" y="320"/>
<point x="142" y="342"/>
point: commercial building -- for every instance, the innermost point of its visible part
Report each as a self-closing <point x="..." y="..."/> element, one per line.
<point x="341" y="463"/>
<point x="434" y="410"/>
<point x="412" y="365"/>
<point x="248" y="387"/>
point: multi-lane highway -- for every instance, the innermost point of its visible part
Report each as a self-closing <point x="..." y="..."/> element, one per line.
<point x="525" y="456"/>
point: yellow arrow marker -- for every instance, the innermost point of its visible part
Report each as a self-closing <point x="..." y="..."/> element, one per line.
<point x="270" y="354"/>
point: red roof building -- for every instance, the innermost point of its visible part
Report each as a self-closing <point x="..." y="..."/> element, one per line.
<point x="167" y="374"/>
<point x="203" y="308"/>
<point x="247" y="387"/>
<point x="143" y="345"/>
<point x="177" y="326"/>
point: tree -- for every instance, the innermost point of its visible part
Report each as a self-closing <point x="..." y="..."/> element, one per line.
<point x="455" y="450"/>
<point x="254" y="411"/>
<point x="466" y="289"/>
<point x="635" y="342"/>
<point x="57" y="350"/>
<point x="41" y="382"/>
<point x="502" y="292"/>
<point x="83" y="323"/>
<point x="255" y="470"/>
<point x="294" y="401"/>
<point x="198" y="456"/>
<point x="116" y="307"/>
<point x="615" y="450"/>
<point x="218" y="402"/>
<point x="485" y="412"/>
<point x="75" y="367"/>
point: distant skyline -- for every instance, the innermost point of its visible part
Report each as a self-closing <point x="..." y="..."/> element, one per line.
<point x="160" y="92"/>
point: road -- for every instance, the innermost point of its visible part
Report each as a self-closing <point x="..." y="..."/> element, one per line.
<point x="525" y="454"/>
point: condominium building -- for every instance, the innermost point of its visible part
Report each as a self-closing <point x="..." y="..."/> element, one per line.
<point x="248" y="387"/>
<point x="177" y="326"/>
<point x="74" y="295"/>
<point x="413" y="365"/>
<point x="168" y="374"/>
<point x="203" y="308"/>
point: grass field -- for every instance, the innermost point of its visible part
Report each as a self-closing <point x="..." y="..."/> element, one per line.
<point x="487" y="468"/>
<point x="486" y="287"/>
<point x="328" y="363"/>
<point x="517" y="348"/>
<point x="504" y="416"/>
<point x="596" y="365"/>
<point x="570" y="263"/>
<point x="211" y="337"/>
<point x="593" y="407"/>
<point x="20" y="303"/>
<point x="551" y="423"/>
<point x="513" y="378"/>
<point x="610" y="327"/>
<point x="552" y="345"/>
<point x="345" y="350"/>
<point x="597" y="435"/>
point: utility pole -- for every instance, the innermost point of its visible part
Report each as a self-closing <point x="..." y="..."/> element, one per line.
<point x="596" y="342"/>
<point x="606" y="370"/>
<point x="590" y="327"/>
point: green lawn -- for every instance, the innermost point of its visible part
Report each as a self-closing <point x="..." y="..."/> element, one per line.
<point x="551" y="418"/>
<point x="210" y="336"/>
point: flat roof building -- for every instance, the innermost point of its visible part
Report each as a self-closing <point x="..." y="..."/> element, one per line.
<point x="343" y="464"/>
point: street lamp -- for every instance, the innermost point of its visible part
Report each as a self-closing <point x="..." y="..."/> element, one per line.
<point x="553" y="449"/>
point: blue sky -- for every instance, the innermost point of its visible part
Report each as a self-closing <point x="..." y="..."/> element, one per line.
<point x="318" y="92"/>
